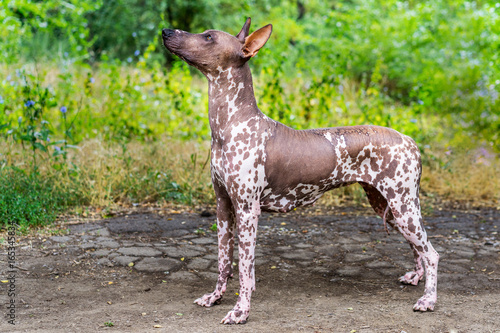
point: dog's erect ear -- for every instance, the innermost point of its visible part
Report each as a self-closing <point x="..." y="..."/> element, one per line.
<point x="256" y="41"/>
<point x="244" y="31"/>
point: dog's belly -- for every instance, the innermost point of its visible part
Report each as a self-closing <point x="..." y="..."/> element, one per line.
<point x="300" y="195"/>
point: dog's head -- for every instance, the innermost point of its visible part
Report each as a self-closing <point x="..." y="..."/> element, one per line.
<point x="213" y="49"/>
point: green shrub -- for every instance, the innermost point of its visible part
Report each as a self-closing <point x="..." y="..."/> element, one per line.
<point x="26" y="200"/>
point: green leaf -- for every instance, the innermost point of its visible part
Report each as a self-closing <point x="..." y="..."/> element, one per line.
<point x="38" y="145"/>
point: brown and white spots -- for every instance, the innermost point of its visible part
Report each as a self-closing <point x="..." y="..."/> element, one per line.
<point x="231" y="106"/>
<point x="301" y="195"/>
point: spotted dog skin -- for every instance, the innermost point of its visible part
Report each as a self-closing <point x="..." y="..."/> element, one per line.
<point x="260" y="164"/>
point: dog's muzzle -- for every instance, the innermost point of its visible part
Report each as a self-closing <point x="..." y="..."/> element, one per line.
<point x="166" y="33"/>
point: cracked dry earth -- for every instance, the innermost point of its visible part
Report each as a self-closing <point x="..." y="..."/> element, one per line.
<point x="316" y="271"/>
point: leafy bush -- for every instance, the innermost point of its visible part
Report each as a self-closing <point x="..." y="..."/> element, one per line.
<point x="27" y="201"/>
<point x="45" y="29"/>
<point x="438" y="57"/>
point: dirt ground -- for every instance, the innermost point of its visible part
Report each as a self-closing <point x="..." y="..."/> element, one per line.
<point x="317" y="271"/>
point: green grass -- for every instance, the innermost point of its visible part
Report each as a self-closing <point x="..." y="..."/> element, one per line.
<point x="26" y="200"/>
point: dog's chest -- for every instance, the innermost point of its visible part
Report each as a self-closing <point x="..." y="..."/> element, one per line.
<point x="238" y="158"/>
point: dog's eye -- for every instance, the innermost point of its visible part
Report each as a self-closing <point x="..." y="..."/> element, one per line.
<point x="208" y="37"/>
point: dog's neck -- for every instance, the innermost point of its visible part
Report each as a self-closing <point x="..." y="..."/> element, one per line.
<point x="231" y="98"/>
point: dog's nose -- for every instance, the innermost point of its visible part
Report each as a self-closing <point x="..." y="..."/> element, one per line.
<point x="167" y="33"/>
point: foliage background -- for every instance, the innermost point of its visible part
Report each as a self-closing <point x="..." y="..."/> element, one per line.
<point x="430" y="69"/>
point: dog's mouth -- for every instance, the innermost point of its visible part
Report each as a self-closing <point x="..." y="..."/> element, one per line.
<point x="180" y="56"/>
<point x="173" y="43"/>
<point x="174" y="52"/>
<point x="186" y="60"/>
<point x="172" y="47"/>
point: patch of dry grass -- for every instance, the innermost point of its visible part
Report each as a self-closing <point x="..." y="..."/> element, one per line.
<point x="145" y="172"/>
<point x="465" y="177"/>
<point x="103" y="174"/>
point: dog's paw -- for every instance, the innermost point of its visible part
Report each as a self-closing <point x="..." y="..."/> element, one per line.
<point x="236" y="316"/>
<point x="411" y="278"/>
<point x="425" y="303"/>
<point x="209" y="299"/>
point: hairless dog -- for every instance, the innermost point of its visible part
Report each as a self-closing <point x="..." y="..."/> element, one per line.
<point x="260" y="164"/>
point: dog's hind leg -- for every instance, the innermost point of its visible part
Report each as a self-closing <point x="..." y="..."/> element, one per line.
<point x="409" y="222"/>
<point x="225" y="235"/>
<point x="415" y="276"/>
<point x="378" y="203"/>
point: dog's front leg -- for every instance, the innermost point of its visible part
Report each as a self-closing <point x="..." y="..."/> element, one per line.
<point x="225" y="234"/>
<point x="247" y="217"/>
